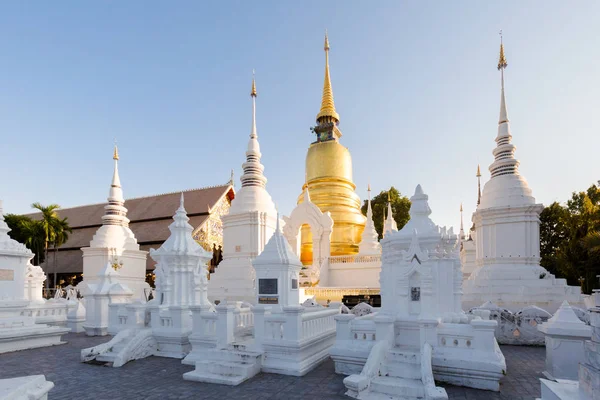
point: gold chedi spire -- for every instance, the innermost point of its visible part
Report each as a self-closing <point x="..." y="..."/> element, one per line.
<point x="116" y="153"/>
<point x="327" y="104"/>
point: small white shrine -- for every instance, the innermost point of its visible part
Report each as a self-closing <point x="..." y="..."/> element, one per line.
<point x="115" y="243"/>
<point x="278" y="335"/>
<point x="588" y="385"/>
<point x="420" y="332"/>
<point x="565" y="343"/>
<point x="18" y="331"/>
<point x="507" y="236"/>
<point x="181" y="283"/>
<point x="246" y="229"/>
<point x="32" y="387"/>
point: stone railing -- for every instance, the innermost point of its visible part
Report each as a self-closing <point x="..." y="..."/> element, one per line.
<point x="243" y="320"/>
<point x="318" y="323"/>
<point x="355" y="259"/>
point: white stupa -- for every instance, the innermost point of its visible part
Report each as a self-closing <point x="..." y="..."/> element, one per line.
<point x="246" y="229"/>
<point x="507" y="236"/>
<point x="389" y="223"/>
<point x="369" y="245"/>
<point x="18" y="332"/>
<point x="114" y="242"/>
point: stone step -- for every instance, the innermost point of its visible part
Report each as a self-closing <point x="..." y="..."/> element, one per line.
<point x="207" y="377"/>
<point x="399" y="388"/>
<point x="225" y="368"/>
<point x="404" y="354"/>
<point x="107" y="357"/>
<point x="401" y="369"/>
<point x="232" y="355"/>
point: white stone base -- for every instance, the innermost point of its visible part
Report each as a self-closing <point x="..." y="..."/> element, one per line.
<point x="233" y="281"/>
<point x="95" y="330"/>
<point x="76" y="326"/>
<point x="30" y="337"/>
<point x="561" y="390"/>
<point x="33" y="387"/>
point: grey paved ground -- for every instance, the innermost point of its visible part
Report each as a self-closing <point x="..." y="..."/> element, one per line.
<point x="160" y="378"/>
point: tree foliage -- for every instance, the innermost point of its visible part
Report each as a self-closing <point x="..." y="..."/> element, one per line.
<point x="40" y="234"/>
<point x="570" y="238"/>
<point x="400" y="209"/>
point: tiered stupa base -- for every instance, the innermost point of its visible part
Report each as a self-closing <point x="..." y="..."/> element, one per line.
<point x="517" y="286"/>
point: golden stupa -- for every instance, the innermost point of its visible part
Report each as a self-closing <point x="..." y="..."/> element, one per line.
<point x="329" y="180"/>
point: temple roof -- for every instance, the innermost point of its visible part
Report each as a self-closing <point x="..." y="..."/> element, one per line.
<point x="149" y="217"/>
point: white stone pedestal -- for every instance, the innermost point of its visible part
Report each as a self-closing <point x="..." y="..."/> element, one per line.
<point x="33" y="387"/>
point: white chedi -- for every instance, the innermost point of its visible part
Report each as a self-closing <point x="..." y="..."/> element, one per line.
<point x="246" y="228"/>
<point x="507" y="236"/>
<point x="115" y="242"/>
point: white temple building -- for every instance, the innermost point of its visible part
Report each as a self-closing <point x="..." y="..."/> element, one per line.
<point x="18" y="331"/>
<point x="246" y="229"/>
<point x="507" y="236"/>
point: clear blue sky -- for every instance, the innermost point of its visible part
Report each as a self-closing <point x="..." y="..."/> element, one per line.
<point x="415" y="84"/>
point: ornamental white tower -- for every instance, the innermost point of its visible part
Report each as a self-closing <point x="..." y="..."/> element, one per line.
<point x="246" y="229"/>
<point x="369" y="245"/>
<point x="389" y="224"/>
<point x="114" y="242"/>
<point x="507" y="235"/>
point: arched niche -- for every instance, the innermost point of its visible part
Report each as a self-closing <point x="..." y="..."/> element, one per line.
<point x="321" y="225"/>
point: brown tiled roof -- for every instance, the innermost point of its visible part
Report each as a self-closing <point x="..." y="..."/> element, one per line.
<point x="149" y="217"/>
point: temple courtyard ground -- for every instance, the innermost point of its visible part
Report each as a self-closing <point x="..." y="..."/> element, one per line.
<point x="161" y="378"/>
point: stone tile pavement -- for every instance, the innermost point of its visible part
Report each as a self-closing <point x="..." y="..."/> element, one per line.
<point x="160" y="378"/>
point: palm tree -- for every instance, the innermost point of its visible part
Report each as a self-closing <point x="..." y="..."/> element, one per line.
<point x="33" y="237"/>
<point x="62" y="229"/>
<point x="48" y="222"/>
<point x="592" y="241"/>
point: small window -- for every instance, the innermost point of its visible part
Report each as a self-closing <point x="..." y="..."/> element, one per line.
<point x="294" y="283"/>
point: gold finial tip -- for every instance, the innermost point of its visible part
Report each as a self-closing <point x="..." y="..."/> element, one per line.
<point x="253" y="91"/>
<point x="369" y="187"/>
<point x="116" y="153"/>
<point x="478" y="171"/>
<point x="461" y="208"/>
<point x="326" y="41"/>
<point x="502" y="59"/>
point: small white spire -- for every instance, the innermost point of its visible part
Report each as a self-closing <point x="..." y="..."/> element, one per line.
<point x="462" y="230"/>
<point x="369" y="243"/>
<point x="116" y="213"/>
<point x="389" y="224"/>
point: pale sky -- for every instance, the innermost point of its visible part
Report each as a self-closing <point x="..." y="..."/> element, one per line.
<point x="415" y="84"/>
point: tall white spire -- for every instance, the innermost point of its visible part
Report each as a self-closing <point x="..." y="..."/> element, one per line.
<point x="369" y="243"/>
<point x="505" y="162"/>
<point x="116" y="213"/>
<point x="253" y="169"/>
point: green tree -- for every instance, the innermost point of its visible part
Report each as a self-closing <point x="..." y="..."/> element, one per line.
<point x="33" y="234"/>
<point x="49" y="224"/>
<point x="400" y="208"/>
<point x="567" y="238"/>
<point x="62" y="231"/>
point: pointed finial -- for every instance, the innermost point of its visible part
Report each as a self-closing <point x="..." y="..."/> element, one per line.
<point x="277" y="228"/>
<point x="231" y="178"/>
<point x="116" y="152"/>
<point x="369" y="187"/>
<point x="461" y="208"/>
<point x="478" y="172"/>
<point x="502" y="59"/>
<point x="253" y="91"/>
<point x="389" y="198"/>
<point x="181" y="201"/>
<point x="327" y="112"/>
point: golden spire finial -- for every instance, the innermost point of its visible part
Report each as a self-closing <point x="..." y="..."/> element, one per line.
<point x="327" y="104"/>
<point x="502" y="59"/>
<point x="116" y="152"/>
<point x="369" y="187"/>
<point x="478" y="171"/>
<point x="389" y="199"/>
<point x="253" y="91"/>
<point x="461" y="209"/>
